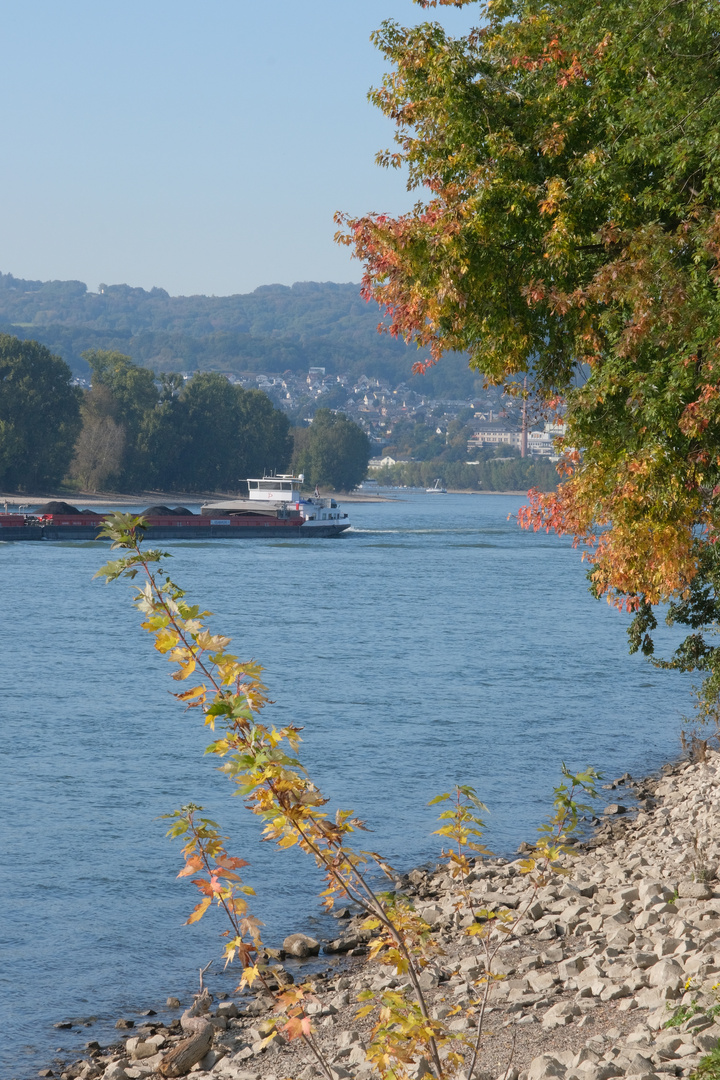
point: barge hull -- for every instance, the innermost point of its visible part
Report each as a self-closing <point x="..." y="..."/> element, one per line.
<point x="21" y="532"/>
<point x="168" y="532"/>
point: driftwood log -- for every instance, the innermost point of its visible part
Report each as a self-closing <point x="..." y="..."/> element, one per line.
<point x="180" y="1060"/>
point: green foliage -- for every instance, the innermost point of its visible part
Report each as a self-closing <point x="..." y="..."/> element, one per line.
<point x="555" y="834"/>
<point x="203" y="435"/>
<point x="681" y="1013"/>
<point x="132" y="388"/>
<point x="39" y="416"/>
<point x="709" y="1067"/>
<point x="333" y="452"/>
<point x="130" y="397"/>
<point x="422" y="442"/>
<point x="463" y="825"/>
<point x="213" y="435"/>
<point x="699" y="609"/>
<point x="550" y="140"/>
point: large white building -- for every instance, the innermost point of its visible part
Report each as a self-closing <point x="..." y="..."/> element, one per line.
<point x="493" y="437"/>
<point x="538" y="442"/>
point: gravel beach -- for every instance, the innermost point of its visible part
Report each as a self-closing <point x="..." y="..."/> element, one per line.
<point x="612" y="970"/>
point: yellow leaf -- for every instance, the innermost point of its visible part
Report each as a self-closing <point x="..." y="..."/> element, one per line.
<point x="249" y="975"/>
<point x="185" y="671"/>
<point x="188" y="695"/>
<point x="165" y="640"/>
<point x="200" y="910"/>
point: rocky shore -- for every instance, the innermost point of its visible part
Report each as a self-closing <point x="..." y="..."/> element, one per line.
<point x="611" y="973"/>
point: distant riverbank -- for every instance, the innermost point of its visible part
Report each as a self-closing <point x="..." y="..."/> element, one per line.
<point x="123" y="499"/>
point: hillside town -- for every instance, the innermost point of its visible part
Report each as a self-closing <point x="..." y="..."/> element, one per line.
<point x="495" y="417"/>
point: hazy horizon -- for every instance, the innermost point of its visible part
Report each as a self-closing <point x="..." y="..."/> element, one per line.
<point x="202" y="150"/>
<point x="158" y="285"/>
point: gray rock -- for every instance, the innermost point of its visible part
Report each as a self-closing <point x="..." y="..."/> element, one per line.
<point x="541" y="981"/>
<point x="695" y="890"/>
<point x="666" y="974"/>
<point x="644" y="960"/>
<point x="614" y="808"/>
<point x="544" y="1067"/>
<point x="211" y="1059"/>
<point x="707" y="1040"/>
<point x="342" y="944"/>
<point x="429" y="978"/>
<point x="607" y="1070"/>
<point x="560" y="1015"/>
<point x="115" y="1071"/>
<point x="640" y="1064"/>
<point x="301" y="945"/>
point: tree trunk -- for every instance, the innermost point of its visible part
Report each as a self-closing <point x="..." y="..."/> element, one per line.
<point x="180" y="1060"/>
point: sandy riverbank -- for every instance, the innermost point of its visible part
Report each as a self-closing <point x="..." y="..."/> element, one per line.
<point x="472" y="491"/>
<point x="602" y="960"/>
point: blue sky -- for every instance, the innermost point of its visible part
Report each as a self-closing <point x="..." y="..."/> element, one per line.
<point x="200" y="146"/>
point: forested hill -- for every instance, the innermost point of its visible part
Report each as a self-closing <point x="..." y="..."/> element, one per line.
<point x="273" y="329"/>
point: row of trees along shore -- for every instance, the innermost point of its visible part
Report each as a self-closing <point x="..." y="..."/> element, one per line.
<point x="489" y="474"/>
<point x="134" y="431"/>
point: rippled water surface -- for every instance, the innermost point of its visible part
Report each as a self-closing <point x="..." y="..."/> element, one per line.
<point x="433" y="644"/>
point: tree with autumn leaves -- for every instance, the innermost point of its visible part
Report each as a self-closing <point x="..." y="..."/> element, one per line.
<point x="568" y="159"/>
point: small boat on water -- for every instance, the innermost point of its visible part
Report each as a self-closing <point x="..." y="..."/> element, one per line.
<point x="274" y="508"/>
<point x="437" y="489"/>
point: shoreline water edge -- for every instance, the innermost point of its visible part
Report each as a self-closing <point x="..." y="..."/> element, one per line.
<point x="612" y="972"/>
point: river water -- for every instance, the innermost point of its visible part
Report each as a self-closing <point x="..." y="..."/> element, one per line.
<point x="435" y="643"/>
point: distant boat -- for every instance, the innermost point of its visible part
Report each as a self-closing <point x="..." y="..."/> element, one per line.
<point x="438" y="489"/>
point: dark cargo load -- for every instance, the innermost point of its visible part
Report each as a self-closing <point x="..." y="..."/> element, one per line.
<point x="165" y="511"/>
<point x="57" y="507"/>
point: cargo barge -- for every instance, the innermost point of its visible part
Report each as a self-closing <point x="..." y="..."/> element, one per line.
<point x="273" y="509"/>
